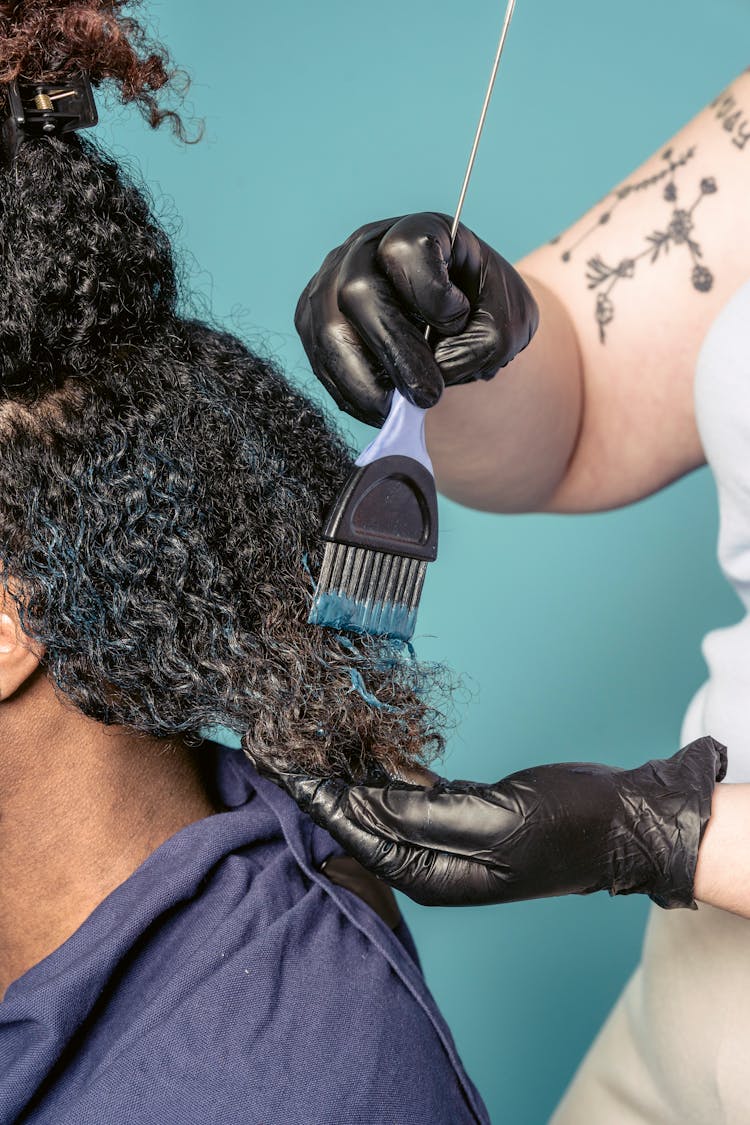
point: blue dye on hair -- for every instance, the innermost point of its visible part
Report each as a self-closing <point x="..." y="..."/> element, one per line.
<point x="306" y="568"/>
<point x="395" y="626"/>
<point x="381" y="664"/>
<point x="358" y="685"/>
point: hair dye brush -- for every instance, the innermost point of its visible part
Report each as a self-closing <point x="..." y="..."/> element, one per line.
<point x="381" y="533"/>
<point x="383" y="529"/>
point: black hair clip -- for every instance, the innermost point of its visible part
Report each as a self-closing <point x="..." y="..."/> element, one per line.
<point x="45" y="109"/>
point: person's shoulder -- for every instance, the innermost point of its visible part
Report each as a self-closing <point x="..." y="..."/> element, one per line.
<point x="288" y="1001"/>
<point x="303" y="999"/>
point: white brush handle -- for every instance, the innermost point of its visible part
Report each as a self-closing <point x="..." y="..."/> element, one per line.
<point x="403" y="430"/>
<point x="402" y="434"/>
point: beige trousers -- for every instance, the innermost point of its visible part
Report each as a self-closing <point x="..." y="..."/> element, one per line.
<point x="675" y="1049"/>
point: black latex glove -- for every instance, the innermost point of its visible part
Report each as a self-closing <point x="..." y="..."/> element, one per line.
<point x="554" y="830"/>
<point x="362" y="316"/>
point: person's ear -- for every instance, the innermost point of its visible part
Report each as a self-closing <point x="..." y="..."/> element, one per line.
<point x="18" y="661"/>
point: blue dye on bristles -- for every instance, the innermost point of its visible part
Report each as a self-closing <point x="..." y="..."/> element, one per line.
<point x="383" y="619"/>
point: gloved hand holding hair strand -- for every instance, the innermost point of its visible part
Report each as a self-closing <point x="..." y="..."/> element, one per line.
<point x="570" y="828"/>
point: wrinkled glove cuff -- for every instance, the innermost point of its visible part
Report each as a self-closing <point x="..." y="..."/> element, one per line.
<point x="707" y="765"/>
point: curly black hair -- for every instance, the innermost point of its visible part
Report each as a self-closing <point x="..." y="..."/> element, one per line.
<point x="162" y="490"/>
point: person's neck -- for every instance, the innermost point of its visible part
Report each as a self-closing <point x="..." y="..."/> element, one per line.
<point x="81" y="807"/>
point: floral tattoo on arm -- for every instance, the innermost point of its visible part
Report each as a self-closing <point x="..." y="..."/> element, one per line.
<point x="678" y="231"/>
<point x="734" y="120"/>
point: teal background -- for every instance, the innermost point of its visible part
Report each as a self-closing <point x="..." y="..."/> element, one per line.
<point x="577" y="636"/>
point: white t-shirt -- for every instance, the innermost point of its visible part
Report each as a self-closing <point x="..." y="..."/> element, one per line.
<point x="722" y="400"/>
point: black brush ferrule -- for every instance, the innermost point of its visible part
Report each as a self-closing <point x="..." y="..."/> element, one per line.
<point x="390" y="506"/>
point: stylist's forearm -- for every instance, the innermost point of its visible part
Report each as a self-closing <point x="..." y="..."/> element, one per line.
<point x="722" y="877"/>
<point x="504" y="445"/>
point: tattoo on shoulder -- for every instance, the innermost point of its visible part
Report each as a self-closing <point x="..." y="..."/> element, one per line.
<point x="679" y="230"/>
<point x="734" y="120"/>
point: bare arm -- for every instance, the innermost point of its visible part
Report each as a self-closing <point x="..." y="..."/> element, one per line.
<point x="598" y="410"/>
<point x="722" y="877"/>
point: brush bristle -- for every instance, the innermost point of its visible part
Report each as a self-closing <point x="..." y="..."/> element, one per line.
<point x="366" y="591"/>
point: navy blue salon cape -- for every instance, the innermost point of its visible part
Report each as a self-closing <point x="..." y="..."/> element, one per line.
<point x="228" y="982"/>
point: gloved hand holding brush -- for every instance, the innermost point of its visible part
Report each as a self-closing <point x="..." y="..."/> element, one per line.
<point x="362" y="317"/>
<point x="553" y="830"/>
